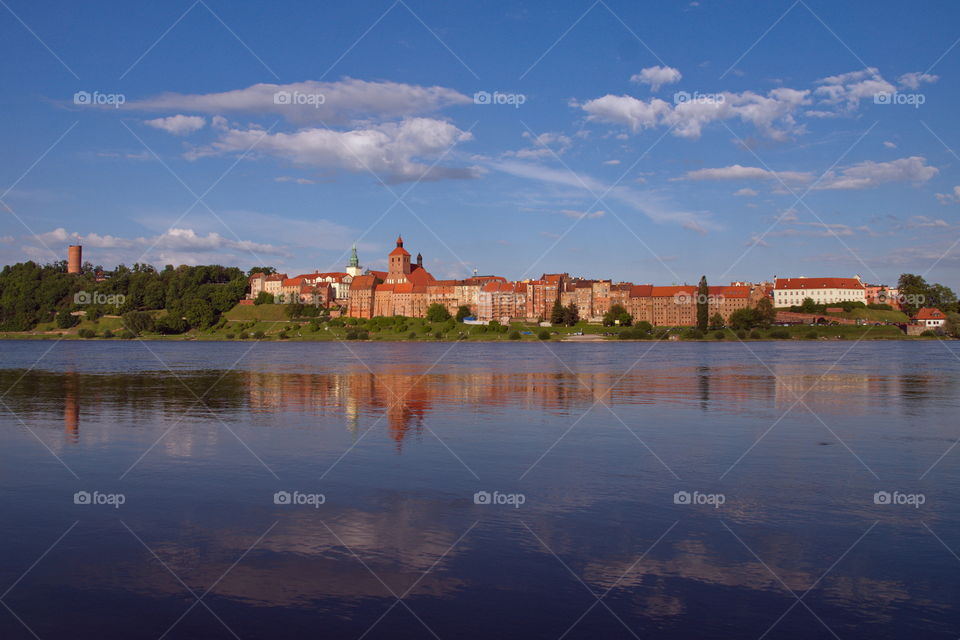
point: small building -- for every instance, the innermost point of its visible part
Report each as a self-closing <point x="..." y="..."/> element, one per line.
<point x="930" y="318"/>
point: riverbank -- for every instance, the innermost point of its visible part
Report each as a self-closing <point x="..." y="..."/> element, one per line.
<point x="296" y="331"/>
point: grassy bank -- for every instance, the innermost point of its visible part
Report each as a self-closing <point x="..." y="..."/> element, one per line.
<point x="269" y="322"/>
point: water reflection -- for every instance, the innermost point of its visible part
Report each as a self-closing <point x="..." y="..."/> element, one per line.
<point x="402" y="401"/>
<point x="597" y="503"/>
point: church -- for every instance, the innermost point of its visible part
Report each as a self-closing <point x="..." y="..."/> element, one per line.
<point x="400" y="291"/>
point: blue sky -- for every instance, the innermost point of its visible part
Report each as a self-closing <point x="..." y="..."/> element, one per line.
<point x="649" y="142"/>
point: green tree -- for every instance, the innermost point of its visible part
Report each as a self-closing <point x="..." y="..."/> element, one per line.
<point x="571" y="314"/>
<point x="436" y="312"/>
<point x="463" y="312"/>
<point x="703" y="304"/>
<point x="65" y="319"/>
<point x="556" y="313"/>
<point x="766" y="314"/>
<point x="138" y="322"/>
<point x="716" y="321"/>
<point x="617" y="315"/>
<point x="913" y="292"/>
<point x="744" y="319"/>
<point x="264" y="270"/>
<point x="809" y="306"/>
<point x="263" y="298"/>
<point x="294" y="310"/>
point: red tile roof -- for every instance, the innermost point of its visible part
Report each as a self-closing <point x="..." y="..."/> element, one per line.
<point x="666" y="292"/>
<point x="730" y="291"/>
<point x="641" y="291"/>
<point x="818" y="283"/>
<point x="930" y="313"/>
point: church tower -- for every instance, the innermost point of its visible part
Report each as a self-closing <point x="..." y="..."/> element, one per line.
<point x="399" y="262"/>
<point x="354" y="268"/>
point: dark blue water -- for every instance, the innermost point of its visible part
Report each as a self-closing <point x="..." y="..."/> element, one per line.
<point x="645" y="490"/>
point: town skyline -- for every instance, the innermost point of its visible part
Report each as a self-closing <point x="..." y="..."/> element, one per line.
<point x="606" y="149"/>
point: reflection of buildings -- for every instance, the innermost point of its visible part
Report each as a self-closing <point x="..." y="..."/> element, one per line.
<point x="71" y="406"/>
<point x="404" y="401"/>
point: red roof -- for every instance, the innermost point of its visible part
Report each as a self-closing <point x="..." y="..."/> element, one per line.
<point x="420" y="276"/>
<point x="499" y="287"/>
<point x="641" y="291"/>
<point x="730" y="291"/>
<point x="363" y="282"/>
<point x="818" y="283"/>
<point x="276" y="276"/>
<point x="930" y="313"/>
<point x="666" y="292"/>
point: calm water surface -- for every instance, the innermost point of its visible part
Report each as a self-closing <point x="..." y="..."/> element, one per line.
<point x="784" y="447"/>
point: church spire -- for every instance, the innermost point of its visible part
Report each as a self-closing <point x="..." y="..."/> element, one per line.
<point x="399" y="241"/>
<point x="354" y="260"/>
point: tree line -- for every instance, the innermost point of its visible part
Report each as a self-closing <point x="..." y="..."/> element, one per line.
<point x="191" y="296"/>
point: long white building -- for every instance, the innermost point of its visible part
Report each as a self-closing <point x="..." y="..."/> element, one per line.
<point x="788" y="292"/>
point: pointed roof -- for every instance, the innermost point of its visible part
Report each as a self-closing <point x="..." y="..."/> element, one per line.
<point x="399" y="251"/>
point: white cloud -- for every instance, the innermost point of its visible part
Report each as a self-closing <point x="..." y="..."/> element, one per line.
<point x="315" y="102"/>
<point x="745" y="192"/>
<point x="949" y="198"/>
<point x="772" y="114"/>
<point x="390" y="149"/>
<point x="914" y="79"/>
<point x="739" y="172"/>
<point x="294" y="180"/>
<point x="656" y="77"/>
<point x="178" y="125"/>
<point x="543" y="145"/>
<point x="611" y="162"/>
<point x="921" y="222"/>
<point x="868" y="174"/>
<point x="889" y="145"/>
<point x="174" y="241"/>
<point x="848" y="89"/>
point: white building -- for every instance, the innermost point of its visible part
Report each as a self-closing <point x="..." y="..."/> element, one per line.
<point x="789" y="292"/>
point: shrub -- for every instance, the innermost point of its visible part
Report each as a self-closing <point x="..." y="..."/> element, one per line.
<point x="693" y="334"/>
<point x="438" y="335"/>
<point x="719" y="335"/>
<point x="351" y="335"/>
<point x="107" y="333"/>
<point x="363" y="335"/>
<point x="514" y="335"/>
<point x="229" y="336"/>
<point x="643" y="326"/>
<point x="741" y="334"/>
<point x="65" y="319"/>
<point x="283" y="335"/>
<point x="755" y="335"/>
<point x="138" y="321"/>
<point x="86" y="334"/>
<point x="259" y="335"/>
<point x="780" y="334"/>
<point x="928" y="334"/>
<point x="127" y="335"/>
<point x="437" y="313"/>
<point x="243" y="335"/>
<point x="412" y="335"/>
<point x="544" y="334"/>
